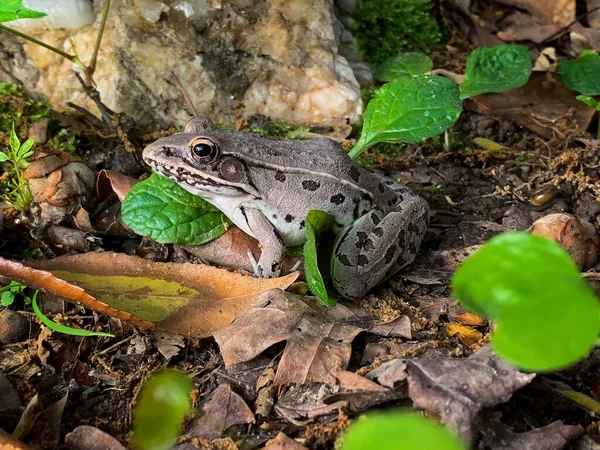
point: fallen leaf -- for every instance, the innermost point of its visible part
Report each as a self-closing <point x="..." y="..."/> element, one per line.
<point x="457" y="389"/>
<point x="555" y="436"/>
<point x="538" y="105"/>
<point x="319" y="339"/>
<point x="10" y="404"/>
<point x="111" y="181"/>
<point x="466" y="334"/>
<point x="86" y="437"/>
<point x="304" y="402"/>
<point x="283" y="442"/>
<point x="224" y="409"/>
<point x="560" y="12"/>
<point x="7" y="442"/>
<point x="167" y="344"/>
<point x="468" y="318"/>
<point x="389" y="373"/>
<point x="187" y="299"/>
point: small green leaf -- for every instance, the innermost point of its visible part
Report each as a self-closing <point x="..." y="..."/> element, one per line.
<point x="14" y="140"/>
<point x="162" y="404"/>
<point x="582" y="74"/>
<point x="496" y="69"/>
<point x="404" y="64"/>
<point x="3" y="157"/>
<point x="61" y="328"/>
<point x="547" y="316"/>
<point x="14" y="9"/>
<point x="399" y="430"/>
<point x="7" y="298"/>
<point x="409" y="109"/>
<point x="316" y="223"/>
<point x="590" y="101"/>
<point x="25" y="147"/>
<point x="158" y="207"/>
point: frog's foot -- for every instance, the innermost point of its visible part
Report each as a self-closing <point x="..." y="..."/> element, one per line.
<point x="377" y="246"/>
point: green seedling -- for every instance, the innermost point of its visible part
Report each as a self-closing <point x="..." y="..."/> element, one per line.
<point x="399" y="430"/>
<point x="10" y="291"/>
<point x="317" y="222"/>
<point x="161" y="406"/>
<point x="546" y="315"/>
<point x="17" y="191"/>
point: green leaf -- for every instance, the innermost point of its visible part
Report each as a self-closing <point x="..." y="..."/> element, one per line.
<point x="162" y="404"/>
<point x="316" y="223"/>
<point x="14" y="140"/>
<point x="3" y="157"/>
<point x="404" y="64"/>
<point x="409" y="109"/>
<point x="496" y="69"/>
<point x="398" y="430"/>
<point x="590" y="101"/>
<point x="14" y="9"/>
<point x="582" y="74"/>
<point x="24" y="150"/>
<point x="547" y="316"/>
<point x="7" y="298"/>
<point x="158" y="207"/>
<point x="61" y="328"/>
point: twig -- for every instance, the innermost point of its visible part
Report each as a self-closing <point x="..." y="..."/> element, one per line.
<point x="72" y="58"/>
<point x="89" y="72"/>
<point x="185" y="94"/>
<point x="566" y="27"/>
<point x="95" y="96"/>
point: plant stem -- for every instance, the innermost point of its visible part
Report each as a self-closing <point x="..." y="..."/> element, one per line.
<point x="89" y="71"/>
<point x="72" y="58"/>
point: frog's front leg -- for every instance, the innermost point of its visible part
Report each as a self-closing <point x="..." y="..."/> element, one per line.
<point x="377" y="245"/>
<point x="273" y="248"/>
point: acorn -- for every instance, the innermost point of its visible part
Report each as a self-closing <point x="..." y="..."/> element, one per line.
<point x="577" y="237"/>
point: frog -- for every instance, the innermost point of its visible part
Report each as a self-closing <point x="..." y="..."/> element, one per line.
<point x="267" y="186"/>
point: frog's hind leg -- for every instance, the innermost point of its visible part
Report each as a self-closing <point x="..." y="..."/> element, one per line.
<point x="377" y="246"/>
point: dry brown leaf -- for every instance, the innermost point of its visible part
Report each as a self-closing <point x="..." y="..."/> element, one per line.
<point x="497" y="436"/>
<point x="187" y="299"/>
<point x="561" y="12"/>
<point x="86" y="437"/>
<point x="109" y="180"/>
<point x="283" y="442"/>
<point x="319" y="338"/>
<point x="224" y="409"/>
<point x="540" y="105"/>
<point x="7" y="442"/>
<point x="466" y="334"/>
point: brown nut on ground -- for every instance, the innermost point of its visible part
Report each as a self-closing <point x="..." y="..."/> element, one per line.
<point x="576" y="236"/>
<point x="60" y="186"/>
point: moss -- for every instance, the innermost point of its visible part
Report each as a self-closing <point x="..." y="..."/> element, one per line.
<point x="384" y="28"/>
<point x="15" y="107"/>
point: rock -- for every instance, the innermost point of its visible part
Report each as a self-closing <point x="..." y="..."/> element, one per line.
<point x="13" y="327"/>
<point x="278" y="58"/>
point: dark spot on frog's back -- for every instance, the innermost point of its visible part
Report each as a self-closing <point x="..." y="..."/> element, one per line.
<point x="378" y="231"/>
<point x="355" y="174"/>
<point x="389" y="255"/>
<point x="289" y="218"/>
<point x="344" y="260"/>
<point x="280" y="176"/>
<point x="337" y="199"/>
<point x="381" y="188"/>
<point x="311" y="185"/>
<point x="362" y="260"/>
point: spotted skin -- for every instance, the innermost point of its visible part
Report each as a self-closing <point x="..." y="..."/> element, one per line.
<point x="267" y="187"/>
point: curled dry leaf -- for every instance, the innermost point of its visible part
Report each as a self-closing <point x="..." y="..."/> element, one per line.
<point x="111" y="181"/>
<point x="497" y="436"/>
<point x="576" y="236"/>
<point x="224" y="409"/>
<point x="457" y="389"/>
<point x="86" y="437"/>
<point x="319" y="338"/>
<point x="187" y="299"/>
<point x="60" y="186"/>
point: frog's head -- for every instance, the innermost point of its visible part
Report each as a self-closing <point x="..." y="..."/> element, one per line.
<point x="195" y="161"/>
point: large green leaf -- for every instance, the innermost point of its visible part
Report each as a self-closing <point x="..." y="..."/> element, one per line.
<point x="404" y="64"/>
<point x="14" y="9"/>
<point x="161" y="406"/>
<point x="582" y="74"/>
<point x="409" y="109"/>
<point x="316" y="223"/>
<point x="161" y="209"/>
<point x="496" y="69"/>
<point x="398" y="430"/>
<point x="547" y="316"/>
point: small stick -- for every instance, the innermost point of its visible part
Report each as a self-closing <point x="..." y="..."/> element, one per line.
<point x="186" y="96"/>
<point x="90" y="69"/>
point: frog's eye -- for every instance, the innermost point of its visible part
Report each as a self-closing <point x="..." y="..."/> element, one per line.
<point x="204" y="150"/>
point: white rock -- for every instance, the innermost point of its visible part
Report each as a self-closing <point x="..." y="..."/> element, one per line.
<point x="278" y="58"/>
<point x="68" y="14"/>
